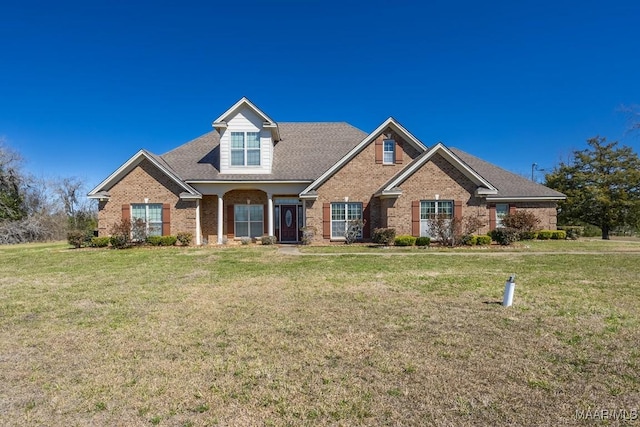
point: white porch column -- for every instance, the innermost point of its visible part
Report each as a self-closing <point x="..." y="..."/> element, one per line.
<point x="220" y="218"/>
<point x="198" y="227"/>
<point x="270" y="213"/>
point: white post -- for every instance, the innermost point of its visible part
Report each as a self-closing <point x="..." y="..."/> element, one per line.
<point x="509" y="289"/>
<point x="198" y="227"/>
<point x="220" y="219"/>
<point x="270" y="214"/>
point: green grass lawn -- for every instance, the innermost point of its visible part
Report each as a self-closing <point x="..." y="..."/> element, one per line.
<point x="249" y="336"/>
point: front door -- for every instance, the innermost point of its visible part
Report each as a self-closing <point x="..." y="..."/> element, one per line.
<point x="288" y="223"/>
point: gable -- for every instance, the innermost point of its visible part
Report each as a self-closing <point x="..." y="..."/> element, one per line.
<point x="390" y="128"/>
<point x="160" y="168"/>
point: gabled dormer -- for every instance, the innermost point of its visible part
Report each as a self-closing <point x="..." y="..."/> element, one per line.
<point x="247" y="137"/>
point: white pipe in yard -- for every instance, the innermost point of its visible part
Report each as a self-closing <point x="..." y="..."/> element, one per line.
<point x="509" y="289"/>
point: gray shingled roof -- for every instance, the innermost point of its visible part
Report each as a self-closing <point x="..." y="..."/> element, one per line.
<point x="305" y="152"/>
<point x="507" y="183"/>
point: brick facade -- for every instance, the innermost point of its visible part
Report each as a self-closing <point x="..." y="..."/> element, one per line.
<point x="146" y="181"/>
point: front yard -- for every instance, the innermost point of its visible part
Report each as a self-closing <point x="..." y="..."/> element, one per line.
<point x="250" y="336"/>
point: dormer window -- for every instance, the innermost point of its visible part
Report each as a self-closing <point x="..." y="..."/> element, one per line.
<point x="389" y="152"/>
<point x="245" y="148"/>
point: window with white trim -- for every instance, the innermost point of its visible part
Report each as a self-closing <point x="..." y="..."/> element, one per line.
<point x="249" y="220"/>
<point x="150" y="214"/>
<point x="245" y="148"/>
<point x="388" y="152"/>
<point x="502" y="209"/>
<point x="341" y="215"/>
<point x="430" y="210"/>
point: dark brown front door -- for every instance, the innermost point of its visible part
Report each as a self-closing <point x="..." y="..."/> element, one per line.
<point x="288" y="223"/>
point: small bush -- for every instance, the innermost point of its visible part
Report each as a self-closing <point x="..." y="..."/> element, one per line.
<point x="121" y="234"/>
<point x="591" y="231"/>
<point x="505" y="236"/>
<point x="168" y="240"/>
<point x="574" y="232"/>
<point x="558" y="235"/>
<point x="469" y="240"/>
<point x="423" y="241"/>
<point x="521" y="220"/>
<point x="545" y="234"/>
<point x="99" y="242"/>
<point x="308" y="234"/>
<point x="528" y="235"/>
<point x="354" y="231"/>
<point x="483" y="240"/>
<point x="405" y="240"/>
<point x="76" y="238"/>
<point x="154" y="240"/>
<point x="269" y="240"/>
<point x="383" y="236"/>
<point x="185" y="238"/>
<point x="245" y="240"/>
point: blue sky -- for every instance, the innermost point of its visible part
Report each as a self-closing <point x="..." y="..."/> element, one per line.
<point x="84" y="85"/>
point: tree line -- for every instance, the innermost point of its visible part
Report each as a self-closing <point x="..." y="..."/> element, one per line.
<point x="36" y="209"/>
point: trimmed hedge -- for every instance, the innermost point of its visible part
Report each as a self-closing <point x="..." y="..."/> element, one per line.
<point x="162" y="240"/>
<point x="469" y="240"/>
<point x="483" y="240"/>
<point x="99" y="242"/>
<point x="405" y="240"/>
<point x="545" y="234"/>
<point x="559" y="235"/>
<point x="423" y="241"/>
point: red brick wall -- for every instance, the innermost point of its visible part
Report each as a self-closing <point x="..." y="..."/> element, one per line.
<point x="147" y="181"/>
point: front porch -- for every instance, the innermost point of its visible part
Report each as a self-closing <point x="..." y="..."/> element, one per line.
<point x="251" y="213"/>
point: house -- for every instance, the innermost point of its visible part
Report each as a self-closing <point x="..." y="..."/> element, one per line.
<point x="252" y="176"/>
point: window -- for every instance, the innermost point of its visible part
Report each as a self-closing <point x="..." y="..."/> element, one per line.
<point x="502" y="209"/>
<point x="430" y="210"/>
<point x="341" y="215"/>
<point x="245" y="148"/>
<point x="388" y="152"/>
<point x="150" y="214"/>
<point x="249" y="220"/>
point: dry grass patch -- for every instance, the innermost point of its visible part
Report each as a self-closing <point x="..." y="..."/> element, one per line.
<point x="247" y="336"/>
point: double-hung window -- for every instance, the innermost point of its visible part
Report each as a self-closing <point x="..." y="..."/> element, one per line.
<point x="432" y="211"/>
<point x="341" y="215"/>
<point x="502" y="209"/>
<point x="150" y="214"/>
<point x="245" y="148"/>
<point x="389" y="152"/>
<point x="249" y="220"/>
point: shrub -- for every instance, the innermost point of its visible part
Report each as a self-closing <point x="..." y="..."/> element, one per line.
<point x="469" y="240"/>
<point x="354" y="231"/>
<point x="558" y="235"/>
<point x="528" y="235"/>
<point x="168" y="240"/>
<point x="99" y="242"/>
<point x="405" y="240"/>
<point x="139" y="231"/>
<point x="521" y="220"/>
<point x="245" y="240"/>
<point x="505" y="235"/>
<point x="483" y="240"/>
<point x="76" y="238"/>
<point x="574" y="232"/>
<point x="447" y="231"/>
<point x="383" y="236"/>
<point x="185" y="238"/>
<point x="269" y="240"/>
<point x="121" y="234"/>
<point x="545" y="234"/>
<point x="308" y="234"/>
<point x="423" y="241"/>
<point x="154" y="240"/>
